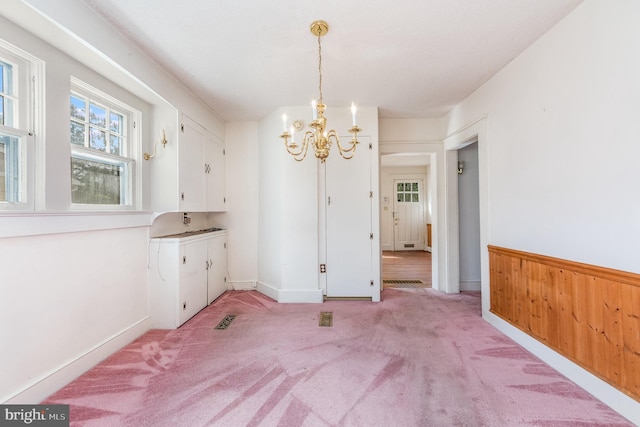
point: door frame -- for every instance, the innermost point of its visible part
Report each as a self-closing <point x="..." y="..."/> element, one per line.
<point x="435" y="150"/>
<point x="475" y="131"/>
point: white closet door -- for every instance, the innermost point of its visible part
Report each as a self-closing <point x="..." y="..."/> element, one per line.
<point x="348" y="221"/>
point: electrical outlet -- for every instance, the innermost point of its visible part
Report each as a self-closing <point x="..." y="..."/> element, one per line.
<point x="186" y="219"/>
<point x="184" y="306"/>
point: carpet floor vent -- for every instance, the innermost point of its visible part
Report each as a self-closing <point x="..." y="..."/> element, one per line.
<point x="326" y="318"/>
<point x="224" y="324"/>
<point x="402" y="282"/>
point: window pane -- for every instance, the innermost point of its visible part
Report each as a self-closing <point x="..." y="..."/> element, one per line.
<point x="6" y="83"/>
<point x="77" y="133"/>
<point x="400" y="187"/>
<point x="114" y="147"/>
<point x="116" y="123"/>
<point x="97" y="139"/>
<point x="8" y="112"/>
<point x="1" y="110"/>
<point x="9" y="168"/>
<point x="95" y="182"/>
<point x="414" y="197"/>
<point x="78" y="108"/>
<point x="97" y="116"/>
<point x="3" y="171"/>
<point x="414" y="186"/>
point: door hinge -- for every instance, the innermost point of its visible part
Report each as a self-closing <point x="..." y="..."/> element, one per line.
<point x="134" y="125"/>
<point x="371" y="236"/>
<point x="182" y="196"/>
<point x="370" y="194"/>
<point x="184" y="259"/>
<point x="225" y="245"/>
<point x="225" y="279"/>
<point x="371" y="283"/>
<point x="182" y="127"/>
<point x="224" y="152"/>
<point x="370" y="146"/>
<point x="323" y="268"/>
<point x="224" y="200"/>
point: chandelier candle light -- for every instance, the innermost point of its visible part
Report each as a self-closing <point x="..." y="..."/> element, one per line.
<point x="319" y="138"/>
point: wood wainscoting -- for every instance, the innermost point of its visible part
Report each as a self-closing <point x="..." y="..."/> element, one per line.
<point x="589" y="314"/>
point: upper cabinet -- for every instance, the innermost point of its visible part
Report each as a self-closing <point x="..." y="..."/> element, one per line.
<point x="191" y="176"/>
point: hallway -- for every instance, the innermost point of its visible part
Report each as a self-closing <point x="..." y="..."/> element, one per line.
<point x="406" y="265"/>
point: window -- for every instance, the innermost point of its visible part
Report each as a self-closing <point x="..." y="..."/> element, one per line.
<point x="103" y="157"/>
<point x="18" y="70"/>
<point x="408" y="192"/>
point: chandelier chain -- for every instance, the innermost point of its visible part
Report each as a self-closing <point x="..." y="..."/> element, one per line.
<point x="320" y="67"/>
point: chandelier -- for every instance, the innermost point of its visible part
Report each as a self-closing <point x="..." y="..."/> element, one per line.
<point x="318" y="137"/>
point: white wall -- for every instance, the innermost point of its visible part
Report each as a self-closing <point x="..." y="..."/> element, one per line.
<point x="290" y="243"/>
<point x="65" y="306"/>
<point x="243" y="210"/>
<point x="561" y="142"/>
<point x="73" y="297"/>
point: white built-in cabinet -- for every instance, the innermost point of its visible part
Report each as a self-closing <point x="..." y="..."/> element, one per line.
<point x="201" y="169"/>
<point x="188" y="174"/>
<point x="186" y="273"/>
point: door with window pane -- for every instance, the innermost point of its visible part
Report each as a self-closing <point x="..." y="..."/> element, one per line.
<point x="408" y="215"/>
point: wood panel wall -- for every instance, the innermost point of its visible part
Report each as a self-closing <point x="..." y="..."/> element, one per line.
<point x="589" y="314"/>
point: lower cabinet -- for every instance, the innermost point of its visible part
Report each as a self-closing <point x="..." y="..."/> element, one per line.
<point x="185" y="275"/>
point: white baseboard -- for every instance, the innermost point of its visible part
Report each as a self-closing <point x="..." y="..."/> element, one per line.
<point x="305" y="296"/>
<point x="290" y="295"/>
<point x="49" y="383"/>
<point x="607" y="394"/>
<point x="267" y="290"/>
<point x="470" y="285"/>
<point x="246" y="285"/>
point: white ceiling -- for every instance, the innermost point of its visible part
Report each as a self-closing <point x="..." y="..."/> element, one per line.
<point x="409" y="58"/>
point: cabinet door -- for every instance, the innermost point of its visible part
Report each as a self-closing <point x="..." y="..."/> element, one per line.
<point x="193" y="279"/>
<point x="217" y="283"/>
<point x="192" y="178"/>
<point x="215" y="167"/>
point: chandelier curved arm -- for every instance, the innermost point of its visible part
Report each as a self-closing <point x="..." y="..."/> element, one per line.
<point x="346" y="153"/>
<point x="299" y="152"/>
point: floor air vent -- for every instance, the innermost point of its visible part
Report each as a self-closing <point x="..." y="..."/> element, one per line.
<point x="224" y="324"/>
<point x="326" y="318"/>
<point x="402" y="282"/>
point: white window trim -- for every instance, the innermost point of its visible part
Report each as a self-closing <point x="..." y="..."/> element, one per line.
<point x="133" y="198"/>
<point x="30" y="78"/>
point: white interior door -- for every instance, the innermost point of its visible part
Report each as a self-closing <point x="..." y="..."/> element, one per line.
<point x="408" y="214"/>
<point x="348" y="223"/>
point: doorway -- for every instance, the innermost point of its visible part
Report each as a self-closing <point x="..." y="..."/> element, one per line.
<point x="407" y="186"/>
<point x="469" y="217"/>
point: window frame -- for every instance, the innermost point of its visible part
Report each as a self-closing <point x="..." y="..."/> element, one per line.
<point x="130" y="200"/>
<point x="28" y="84"/>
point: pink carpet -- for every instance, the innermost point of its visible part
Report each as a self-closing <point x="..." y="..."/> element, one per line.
<point x="418" y="358"/>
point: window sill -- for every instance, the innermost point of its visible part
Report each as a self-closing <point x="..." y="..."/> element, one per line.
<point x="18" y="224"/>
